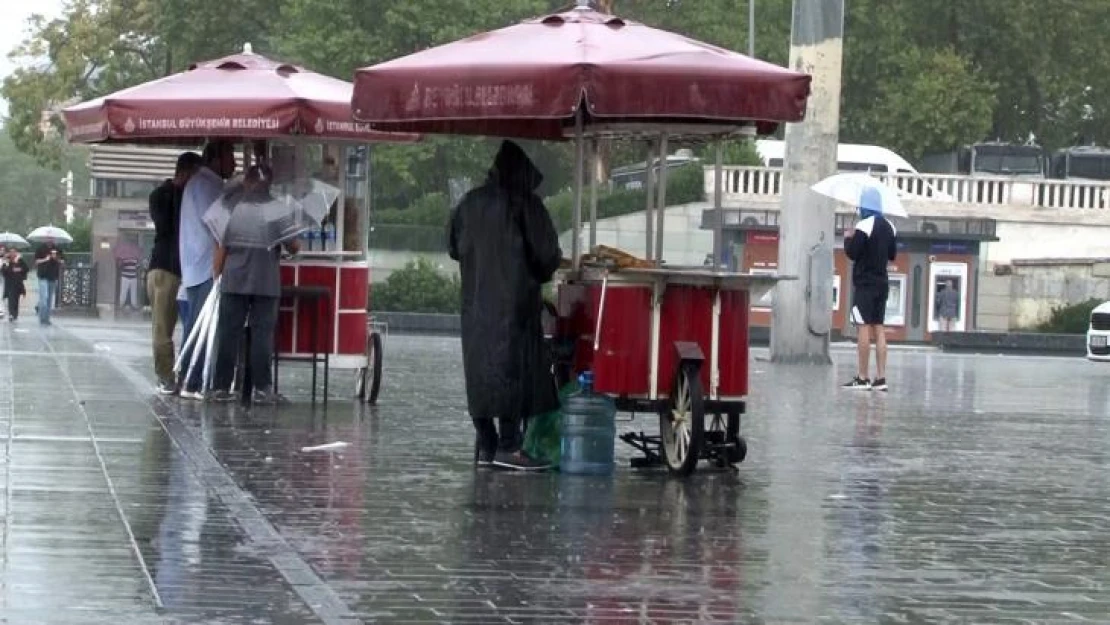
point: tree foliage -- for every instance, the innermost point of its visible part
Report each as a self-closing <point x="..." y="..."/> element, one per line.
<point x="918" y="76"/>
<point x="30" y="194"/>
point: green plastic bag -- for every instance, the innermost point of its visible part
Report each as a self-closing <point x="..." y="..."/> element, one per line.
<point x="543" y="440"/>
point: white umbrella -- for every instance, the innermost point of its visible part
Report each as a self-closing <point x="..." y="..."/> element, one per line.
<point x="315" y="197"/>
<point x="12" y="239"/>
<point x="260" y="221"/>
<point x="862" y="191"/>
<point x="49" y="233"/>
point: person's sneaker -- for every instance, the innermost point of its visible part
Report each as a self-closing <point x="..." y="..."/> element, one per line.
<point x="166" y="388"/>
<point x="264" y="398"/>
<point x="192" y="395"/>
<point x="858" y="384"/>
<point x="879" y="384"/>
<point x="485" y="458"/>
<point x="518" y="461"/>
<point x="222" y="397"/>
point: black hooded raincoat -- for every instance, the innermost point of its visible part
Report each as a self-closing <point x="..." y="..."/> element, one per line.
<point x="507" y="248"/>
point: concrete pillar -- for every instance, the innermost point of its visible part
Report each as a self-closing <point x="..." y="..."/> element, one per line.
<point x="802" y="318"/>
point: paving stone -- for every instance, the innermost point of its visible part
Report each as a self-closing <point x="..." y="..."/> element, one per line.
<point x="973" y="492"/>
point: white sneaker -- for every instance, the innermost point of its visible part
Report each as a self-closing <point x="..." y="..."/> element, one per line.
<point x="192" y="395"/>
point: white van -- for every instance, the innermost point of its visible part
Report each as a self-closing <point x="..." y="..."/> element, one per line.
<point x="1098" y="333"/>
<point x="859" y="158"/>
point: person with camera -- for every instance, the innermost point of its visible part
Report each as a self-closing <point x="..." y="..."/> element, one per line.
<point x="49" y="262"/>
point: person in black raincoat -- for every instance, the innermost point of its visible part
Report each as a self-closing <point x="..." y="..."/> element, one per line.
<point x="506" y="245"/>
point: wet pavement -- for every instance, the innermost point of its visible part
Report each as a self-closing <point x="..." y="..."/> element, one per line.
<point x="976" y="491"/>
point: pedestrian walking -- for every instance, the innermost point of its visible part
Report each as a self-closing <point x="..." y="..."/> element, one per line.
<point x="870" y="246"/>
<point x="14" y="271"/>
<point x="49" y="262"/>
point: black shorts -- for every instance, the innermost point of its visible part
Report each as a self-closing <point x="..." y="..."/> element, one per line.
<point x="869" y="305"/>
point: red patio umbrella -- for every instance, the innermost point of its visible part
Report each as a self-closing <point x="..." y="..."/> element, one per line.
<point x="528" y="80"/>
<point x="243" y="96"/>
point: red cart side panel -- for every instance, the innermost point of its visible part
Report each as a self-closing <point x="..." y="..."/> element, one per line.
<point x="687" y="315"/>
<point x="307" y="333"/>
<point x="317" y="276"/>
<point x="732" y="359"/>
<point x="352" y="333"/>
<point x="620" y="364"/>
<point x="354" y="288"/>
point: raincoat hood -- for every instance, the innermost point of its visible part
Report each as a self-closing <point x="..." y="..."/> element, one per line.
<point x="513" y="170"/>
<point x="870" y="203"/>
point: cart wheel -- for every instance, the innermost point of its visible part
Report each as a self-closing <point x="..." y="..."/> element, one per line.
<point x="722" y="439"/>
<point x="724" y="430"/>
<point x="739" y="452"/>
<point x="682" y="425"/>
<point x="370" y="378"/>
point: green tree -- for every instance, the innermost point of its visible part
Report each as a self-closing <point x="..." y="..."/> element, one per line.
<point x="938" y="102"/>
<point x="100" y="46"/>
<point x="29" y="192"/>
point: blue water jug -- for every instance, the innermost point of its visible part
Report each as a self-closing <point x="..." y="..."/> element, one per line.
<point x="589" y="431"/>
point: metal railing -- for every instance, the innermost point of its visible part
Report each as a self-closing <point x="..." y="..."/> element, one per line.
<point x="77" y="283"/>
<point x="741" y="182"/>
<point x="753" y="219"/>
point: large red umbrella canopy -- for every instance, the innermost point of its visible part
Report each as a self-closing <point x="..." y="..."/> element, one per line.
<point x="243" y="96"/>
<point x="528" y="80"/>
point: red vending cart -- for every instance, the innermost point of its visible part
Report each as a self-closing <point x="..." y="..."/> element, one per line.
<point x="324" y="313"/>
<point x="671" y="342"/>
<point x="667" y="340"/>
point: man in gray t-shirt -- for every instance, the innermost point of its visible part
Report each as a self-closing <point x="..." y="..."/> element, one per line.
<point x="250" y="289"/>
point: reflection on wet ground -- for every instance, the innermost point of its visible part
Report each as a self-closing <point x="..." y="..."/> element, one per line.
<point x="975" y="491"/>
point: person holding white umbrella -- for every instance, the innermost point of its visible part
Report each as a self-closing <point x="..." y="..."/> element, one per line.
<point x="49" y="262"/>
<point x="871" y="246"/>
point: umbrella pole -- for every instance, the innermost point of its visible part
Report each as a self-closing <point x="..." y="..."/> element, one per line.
<point x="594" y="172"/>
<point x="209" y="352"/>
<point x="579" y="162"/>
<point x="661" y="205"/>
<point x="649" y="193"/>
<point x="718" y="210"/>
<point x="193" y="339"/>
<point x="206" y="326"/>
<point x="201" y="327"/>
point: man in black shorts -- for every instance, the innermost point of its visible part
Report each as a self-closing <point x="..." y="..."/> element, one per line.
<point x="872" y="245"/>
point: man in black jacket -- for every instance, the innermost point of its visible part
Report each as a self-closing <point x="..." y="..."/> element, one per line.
<point x="164" y="276"/>
<point x="871" y="246"/>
